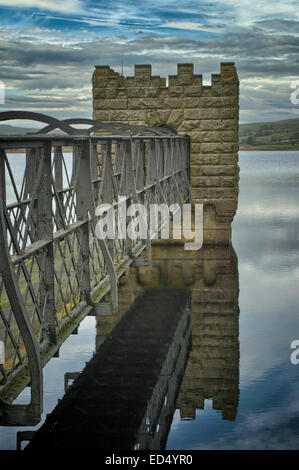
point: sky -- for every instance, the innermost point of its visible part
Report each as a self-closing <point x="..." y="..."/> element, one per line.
<point x="48" y="49"/>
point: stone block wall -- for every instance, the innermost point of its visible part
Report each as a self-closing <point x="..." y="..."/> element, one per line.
<point x="208" y="114"/>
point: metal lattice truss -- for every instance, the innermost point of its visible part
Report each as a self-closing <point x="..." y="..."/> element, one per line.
<point x="52" y="266"/>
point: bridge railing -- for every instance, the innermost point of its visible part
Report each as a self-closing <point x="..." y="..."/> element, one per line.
<point x="53" y="268"/>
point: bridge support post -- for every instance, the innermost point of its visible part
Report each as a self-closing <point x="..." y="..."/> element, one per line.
<point x="86" y="211"/>
<point x="45" y="232"/>
<point x="83" y="207"/>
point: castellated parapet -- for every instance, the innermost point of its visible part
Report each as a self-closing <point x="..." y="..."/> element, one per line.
<point x="208" y="114"/>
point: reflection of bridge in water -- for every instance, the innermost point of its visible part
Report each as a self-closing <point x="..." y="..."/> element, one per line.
<point x="135" y="393"/>
<point x="125" y="397"/>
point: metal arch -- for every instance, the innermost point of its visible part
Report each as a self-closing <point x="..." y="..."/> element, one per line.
<point x="51" y="127"/>
<point x="39" y="117"/>
<point x="116" y="128"/>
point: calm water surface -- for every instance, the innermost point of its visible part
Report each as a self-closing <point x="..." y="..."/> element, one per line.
<point x="266" y="241"/>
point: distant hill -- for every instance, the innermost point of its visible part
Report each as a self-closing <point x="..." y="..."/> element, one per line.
<point x="6" y="129"/>
<point x="257" y="135"/>
<point x="277" y="134"/>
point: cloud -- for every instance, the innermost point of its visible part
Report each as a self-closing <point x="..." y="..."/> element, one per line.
<point x="64" y="7"/>
<point x="279" y="26"/>
<point x="247" y="11"/>
<point x="48" y="55"/>
<point x="189" y="25"/>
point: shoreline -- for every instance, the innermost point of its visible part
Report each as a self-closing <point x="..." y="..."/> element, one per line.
<point x="255" y="149"/>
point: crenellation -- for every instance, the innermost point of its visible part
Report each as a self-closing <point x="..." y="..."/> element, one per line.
<point x="129" y="82"/>
<point x="103" y="70"/>
<point x="215" y="78"/>
<point x="114" y="81"/>
<point x="185" y="74"/>
<point x="99" y="82"/>
<point x="172" y="80"/>
<point x="185" y="69"/>
<point x="144" y="70"/>
<point x="155" y="81"/>
<point x="197" y="80"/>
<point x="185" y="79"/>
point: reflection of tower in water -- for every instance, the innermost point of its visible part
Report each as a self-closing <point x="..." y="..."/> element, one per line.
<point x="212" y="371"/>
<point x="211" y="274"/>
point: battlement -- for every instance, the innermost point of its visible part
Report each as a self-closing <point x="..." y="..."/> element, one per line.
<point x="185" y="82"/>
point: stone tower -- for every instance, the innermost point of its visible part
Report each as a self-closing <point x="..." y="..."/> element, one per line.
<point x="208" y="114"/>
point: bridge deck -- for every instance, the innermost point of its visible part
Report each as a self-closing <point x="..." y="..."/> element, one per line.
<point x="107" y="407"/>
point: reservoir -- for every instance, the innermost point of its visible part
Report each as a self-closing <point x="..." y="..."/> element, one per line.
<point x="239" y="388"/>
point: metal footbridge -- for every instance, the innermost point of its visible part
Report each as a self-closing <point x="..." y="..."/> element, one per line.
<point x="53" y="269"/>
